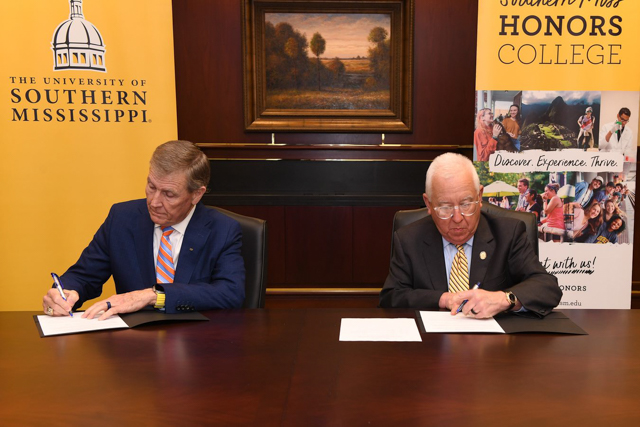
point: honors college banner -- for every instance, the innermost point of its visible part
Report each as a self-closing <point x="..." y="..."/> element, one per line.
<point x="556" y="131"/>
<point x="87" y="91"/>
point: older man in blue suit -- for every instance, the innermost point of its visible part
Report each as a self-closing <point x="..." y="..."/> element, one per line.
<point x="169" y="251"/>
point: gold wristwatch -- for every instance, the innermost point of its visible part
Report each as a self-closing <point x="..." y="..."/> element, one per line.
<point x="511" y="299"/>
<point x="159" y="290"/>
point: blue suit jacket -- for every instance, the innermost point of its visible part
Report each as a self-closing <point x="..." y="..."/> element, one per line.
<point x="210" y="271"/>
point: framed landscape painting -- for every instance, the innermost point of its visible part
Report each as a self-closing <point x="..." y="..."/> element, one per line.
<point x="328" y="66"/>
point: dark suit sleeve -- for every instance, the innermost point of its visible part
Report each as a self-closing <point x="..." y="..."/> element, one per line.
<point x="93" y="268"/>
<point x="221" y="284"/>
<point x="398" y="290"/>
<point x="537" y="290"/>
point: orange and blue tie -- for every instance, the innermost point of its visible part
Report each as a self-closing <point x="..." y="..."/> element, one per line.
<point x="165" y="271"/>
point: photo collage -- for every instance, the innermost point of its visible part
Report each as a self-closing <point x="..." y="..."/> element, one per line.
<point x="588" y="204"/>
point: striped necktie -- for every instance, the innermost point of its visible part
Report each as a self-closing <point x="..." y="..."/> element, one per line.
<point x="459" y="277"/>
<point x="165" y="271"/>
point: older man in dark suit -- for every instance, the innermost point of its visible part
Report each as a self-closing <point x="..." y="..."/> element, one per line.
<point x="169" y="251"/>
<point x="437" y="258"/>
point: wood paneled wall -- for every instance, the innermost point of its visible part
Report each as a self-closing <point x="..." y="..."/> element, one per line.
<point x="326" y="246"/>
<point x="208" y="56"/>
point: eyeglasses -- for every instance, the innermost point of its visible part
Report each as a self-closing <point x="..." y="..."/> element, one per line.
<point x="465" y="209"/>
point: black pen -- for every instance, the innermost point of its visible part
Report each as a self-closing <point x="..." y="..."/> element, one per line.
<point x="477" y="286"/>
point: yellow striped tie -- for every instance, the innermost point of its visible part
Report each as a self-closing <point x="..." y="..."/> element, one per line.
<point x="459" y="277"/>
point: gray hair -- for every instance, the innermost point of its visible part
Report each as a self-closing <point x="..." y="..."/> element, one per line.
<point x="448" y="165"/>
<point x="182" y="156"/>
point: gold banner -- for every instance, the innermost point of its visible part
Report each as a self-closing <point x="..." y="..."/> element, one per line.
<point x="87" y="91"/>
<point x="557" y="106"/>
<point x="558" y="45"/>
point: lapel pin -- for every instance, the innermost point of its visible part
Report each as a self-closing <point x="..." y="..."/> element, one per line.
<point x="191" y="249"/>
<point x="483" y="255"/>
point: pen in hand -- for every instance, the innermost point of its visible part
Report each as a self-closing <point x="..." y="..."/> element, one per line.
<point x="476" y="286"/>
<point x="56" y="279"/>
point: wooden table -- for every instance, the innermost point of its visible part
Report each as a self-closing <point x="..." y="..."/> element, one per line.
<point x="287" y="368"/>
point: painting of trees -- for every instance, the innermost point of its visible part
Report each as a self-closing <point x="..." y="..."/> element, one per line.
<point x="292" y="49"/>
<point x="358" y="79"/>
<point x="379" y="57"/>
<point x="328" y="66"/>
<point x="287" y="56"/>
<point x="318" y="45"/>
<point x="338" y="70"/>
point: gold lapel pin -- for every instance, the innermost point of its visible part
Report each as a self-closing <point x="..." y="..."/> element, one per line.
<point x="483" y="255"/>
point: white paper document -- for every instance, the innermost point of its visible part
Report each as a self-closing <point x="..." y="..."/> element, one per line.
<point x="379" y="330"/>
<point x="444" y="322"/>
<point x="70" y="325"/>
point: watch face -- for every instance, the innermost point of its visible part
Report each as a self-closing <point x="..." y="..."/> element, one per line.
<point x="512" y="298"/>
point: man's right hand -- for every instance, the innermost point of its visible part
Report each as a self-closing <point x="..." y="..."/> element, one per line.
<point x="445" y="300"/>
<point x="59" y="307"/>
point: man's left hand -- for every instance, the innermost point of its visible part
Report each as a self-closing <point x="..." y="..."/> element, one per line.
<point x="121" y="303"/>
<point x="481" y="304"/>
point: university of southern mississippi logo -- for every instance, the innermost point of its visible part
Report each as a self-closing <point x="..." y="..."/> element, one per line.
<point x="77" y="44"/>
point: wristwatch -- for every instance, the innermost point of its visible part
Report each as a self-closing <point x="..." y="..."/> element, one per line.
<point x="159" y="290"/>
<point x="511" y="299"/>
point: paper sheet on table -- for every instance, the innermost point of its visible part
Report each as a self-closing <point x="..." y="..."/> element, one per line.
<point x="379" y="330"/>
<point x="50" y="325"/>
<point x="444" y="322"/>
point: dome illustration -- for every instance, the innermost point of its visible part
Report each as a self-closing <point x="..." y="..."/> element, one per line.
<point x="77" y="44"/>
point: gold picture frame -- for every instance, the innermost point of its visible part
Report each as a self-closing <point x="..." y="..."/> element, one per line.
<point x="363" y="83"/>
